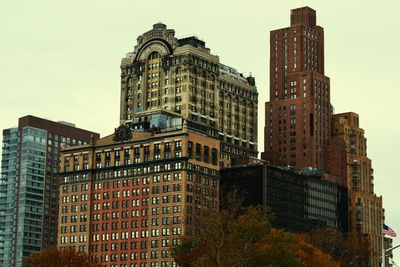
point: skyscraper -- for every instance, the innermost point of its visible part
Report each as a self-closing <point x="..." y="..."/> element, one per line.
<point x="127" y="198"/>
<point x="297" y="117"/>
<point x="301" y="130"/>
<point x="29" y="185"/>
<point x="182" y="76"/>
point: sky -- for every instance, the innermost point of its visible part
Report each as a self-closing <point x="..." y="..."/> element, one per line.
<point x="60" y="60"/>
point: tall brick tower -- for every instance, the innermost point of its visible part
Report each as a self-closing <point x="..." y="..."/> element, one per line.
<point x="297" y="117"/>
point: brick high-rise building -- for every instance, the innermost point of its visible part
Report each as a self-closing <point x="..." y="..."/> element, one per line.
<point x="297" y="117"/>
<point x="29" y="185"/>
<point x="365" y="207"/>
<point x="300" y="130"/>
<point x="126" y="198"/>
<point x="182" y="76"/>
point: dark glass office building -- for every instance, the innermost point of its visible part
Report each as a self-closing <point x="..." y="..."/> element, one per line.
<point x="299" y="202"/>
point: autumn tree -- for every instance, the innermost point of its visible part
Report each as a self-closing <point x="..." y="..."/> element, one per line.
<point x="52" y="257"/>
<point x="229" y="237"/>
<point x="242" y="237"/>
<point x="349" y="251"/>
<point x="312" y="256"/>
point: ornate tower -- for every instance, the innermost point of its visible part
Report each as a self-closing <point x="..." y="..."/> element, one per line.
<point x="182" y="76"/>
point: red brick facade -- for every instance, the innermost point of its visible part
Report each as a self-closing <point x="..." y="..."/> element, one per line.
<point x="297" y="117"/>
<point x="301" y="130"/>
<point x="126" y="203"/>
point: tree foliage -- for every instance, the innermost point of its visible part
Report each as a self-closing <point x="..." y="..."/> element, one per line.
<point x="229" y="237"/>
<point x="52" y="257"/>
<point x="237" y="237"/>
<point x="349" y="251"/>
<point x="313" y="256"/>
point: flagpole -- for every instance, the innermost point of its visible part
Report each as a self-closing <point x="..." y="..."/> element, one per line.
<point x="390" y="249"/>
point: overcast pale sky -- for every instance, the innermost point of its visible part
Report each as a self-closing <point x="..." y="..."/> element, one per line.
<point x="60" y="60"/>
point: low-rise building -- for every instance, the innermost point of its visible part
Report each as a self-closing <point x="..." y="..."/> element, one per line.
<point x="299" y="202"/>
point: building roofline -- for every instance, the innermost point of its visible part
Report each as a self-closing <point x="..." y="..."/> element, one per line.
<point x="57" y="127"/>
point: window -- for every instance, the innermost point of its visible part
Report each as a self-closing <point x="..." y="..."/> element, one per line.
<point x="198" y="151"/>
<point x="206" y="154"/>
<point x="214" y="156"/>
<point x="178" y="145"/>
<point x="190" y="149"/>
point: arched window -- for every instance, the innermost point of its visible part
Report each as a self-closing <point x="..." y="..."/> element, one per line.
<point x="154" y="55"/>
<point x="153" y="66"/>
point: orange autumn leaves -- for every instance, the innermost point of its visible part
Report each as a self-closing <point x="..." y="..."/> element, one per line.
<point x="281" y="244"/>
